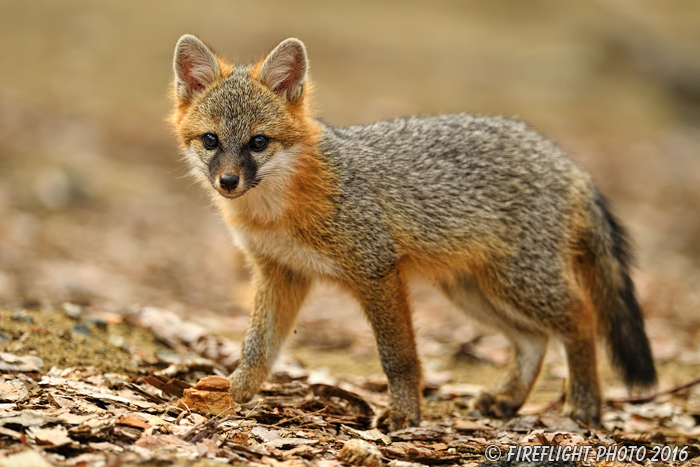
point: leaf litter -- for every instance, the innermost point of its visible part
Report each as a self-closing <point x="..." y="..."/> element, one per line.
<point x="167" y="402"/>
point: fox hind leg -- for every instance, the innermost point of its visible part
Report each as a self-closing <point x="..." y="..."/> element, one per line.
<point x="511" y="392"/>
<point x="583" y="398"/>
<point x="529" y="347"/>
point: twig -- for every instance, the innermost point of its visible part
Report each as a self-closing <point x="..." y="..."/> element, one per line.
<point x="147" y="395"/>
<point x="253" y="409"/>
<point x="300" y="416"/>
<point x="651" y="397"/>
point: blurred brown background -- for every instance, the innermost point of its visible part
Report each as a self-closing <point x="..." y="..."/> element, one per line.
<point x="96" y="207"/>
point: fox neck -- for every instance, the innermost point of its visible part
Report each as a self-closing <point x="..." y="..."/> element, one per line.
<point x="294" y="193"/>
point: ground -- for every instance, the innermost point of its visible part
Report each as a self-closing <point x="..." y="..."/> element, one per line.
<point x="117" y="274"/>
<point x="131" y="388"/>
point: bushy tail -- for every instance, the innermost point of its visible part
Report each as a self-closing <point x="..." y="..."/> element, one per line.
<point x="608" y="258"/>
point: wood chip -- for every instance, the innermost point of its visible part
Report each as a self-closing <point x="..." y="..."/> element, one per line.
<point x="210" y="395"/>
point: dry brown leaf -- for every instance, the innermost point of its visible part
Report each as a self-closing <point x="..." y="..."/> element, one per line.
<point x="173" y="387"/>
<point x="62" y="401"/>
<point x="132" y="421"/>
<point x="94" y="428"/>
<point x="640" y="425"/>
<point x="27" y="363"/>
<point x="302" y="451"/>
<point x="421" y="433"/>
<point x="56" y="436"/>
<point x="28" y="458"/>
<point x="464" y="424"/>
<point x="264" y="434"/>
<point x="207" y="447"/>
<point x="13" y="390"/>
<point x="460" y="390"/>
<point x="26" y="418"/>
<point x="400" y="463"/>
<point x="415" y="452"/>
<point x="285" y="443"/>
<point x="367" y="435"/>
<point x="272" y="462"/>
<point x="158" y="442"/>
<point x="359" y="452"/>
<point x="105" y="446"/>
<point x="10" y="433"/>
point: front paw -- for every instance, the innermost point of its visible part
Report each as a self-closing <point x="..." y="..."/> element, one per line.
<point x="495" y="405"/>
<point x="243" y="386"/>
<point x="392" y="420"/>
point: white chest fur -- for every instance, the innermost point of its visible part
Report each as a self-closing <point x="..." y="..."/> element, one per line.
<point x="280" y="246"/>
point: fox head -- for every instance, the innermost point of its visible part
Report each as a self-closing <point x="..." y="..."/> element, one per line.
<point x="241" y="127"/>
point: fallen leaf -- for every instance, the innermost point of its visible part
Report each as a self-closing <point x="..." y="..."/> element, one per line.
<point x="359" y="452"/>
<point x="368" y="435"/>
<point x="264" y="434"/>
<point x="26" y="418"/>
<point x="460" y="390"/>
<point x="26" y="458"/>
<point x="469" y="425"/>
<point x="132" y="421"/>
<point x="56" y="436"/>
<point x="207" y="448"/>
<point x="155" y="443"/>
<point x="13" y="390"/>
<point x="25" y="363"/>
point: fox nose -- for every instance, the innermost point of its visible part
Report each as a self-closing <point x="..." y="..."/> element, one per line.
<point x="228" y="182"/>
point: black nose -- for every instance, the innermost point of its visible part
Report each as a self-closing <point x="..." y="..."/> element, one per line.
<point x="228" y="182"/>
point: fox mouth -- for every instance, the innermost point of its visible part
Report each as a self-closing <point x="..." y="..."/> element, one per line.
<point x="234" y="195"/>
<point x="239" y="191"/>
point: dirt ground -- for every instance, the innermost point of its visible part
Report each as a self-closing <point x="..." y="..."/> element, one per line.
<point x="96" y="209"/>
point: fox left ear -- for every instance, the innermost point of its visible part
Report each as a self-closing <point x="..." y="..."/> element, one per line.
<point x="195" y="67"/>
<point x="284" y="70"/>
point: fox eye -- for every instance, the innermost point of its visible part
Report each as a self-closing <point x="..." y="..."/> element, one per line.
<point x="258" y="142"/>
<point x="210" y="140"/>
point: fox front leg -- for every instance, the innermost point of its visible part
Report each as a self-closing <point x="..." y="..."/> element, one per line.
<point x="386" y="306"/>
<point x="278" y="297"/>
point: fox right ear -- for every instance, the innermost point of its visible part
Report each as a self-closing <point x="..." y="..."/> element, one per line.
<point x="195" y="67"/>
<point x="284" y="70"/>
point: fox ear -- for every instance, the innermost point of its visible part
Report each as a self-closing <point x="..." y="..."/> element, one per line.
<point x="284" y="70"/>
<point x="195" y="67"/>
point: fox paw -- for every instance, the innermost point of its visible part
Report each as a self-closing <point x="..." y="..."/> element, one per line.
<point x="391" y="420"/>
<point x="495" y="405"/>
<point x="240" y="391"/>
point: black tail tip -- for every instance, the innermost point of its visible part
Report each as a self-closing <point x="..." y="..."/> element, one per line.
<point x="631" y="355"/>
<point x="630" y="346"/>
<point x="642" y="379"/>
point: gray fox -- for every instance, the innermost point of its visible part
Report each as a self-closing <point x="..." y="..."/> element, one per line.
<point x="498" y="217"/>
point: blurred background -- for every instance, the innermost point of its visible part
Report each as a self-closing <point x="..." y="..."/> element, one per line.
<point x="96" y="207"/>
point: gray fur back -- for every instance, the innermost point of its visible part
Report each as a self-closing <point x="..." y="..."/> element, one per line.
<point x="449" y="179"/>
